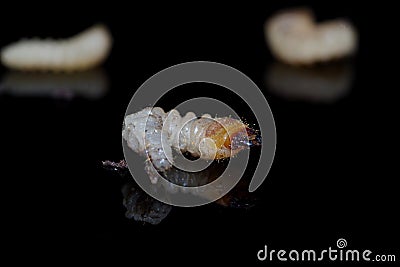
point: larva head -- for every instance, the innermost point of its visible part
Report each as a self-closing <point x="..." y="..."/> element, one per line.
<point x="230" y="136"/>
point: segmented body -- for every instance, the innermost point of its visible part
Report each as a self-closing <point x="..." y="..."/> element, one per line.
<point x="156" y="133"/>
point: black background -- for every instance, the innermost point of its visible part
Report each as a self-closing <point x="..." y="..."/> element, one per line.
<point x="333" y="176"/>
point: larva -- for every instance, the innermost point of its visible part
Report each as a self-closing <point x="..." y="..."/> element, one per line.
<point x="80" y="52"/>
<point x="202" y="137"/>
<point x="295" y="38"/>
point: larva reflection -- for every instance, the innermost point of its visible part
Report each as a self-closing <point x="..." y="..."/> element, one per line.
<point x="204" y="137"/>
<point x="143" y="208"/>
<point x="83" y="51"/>
<point x="91" y="84"/>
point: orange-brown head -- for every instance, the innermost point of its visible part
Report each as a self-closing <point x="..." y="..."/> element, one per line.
<point x="231" y="136"/>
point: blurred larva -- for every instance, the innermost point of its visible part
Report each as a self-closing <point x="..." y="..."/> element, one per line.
<point x="80" y="52"/>
<point x="295" y="38"/>
<point x="202" y="137"/>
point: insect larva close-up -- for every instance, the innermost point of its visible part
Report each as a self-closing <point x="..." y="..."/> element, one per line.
<point x="201" y="137"/>
<point x="259" y="133"/>
<point x="295" y="38"/>
<point x="83" y="51"/>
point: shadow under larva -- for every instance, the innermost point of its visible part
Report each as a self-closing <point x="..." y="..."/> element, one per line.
<point x="91" y="84"/>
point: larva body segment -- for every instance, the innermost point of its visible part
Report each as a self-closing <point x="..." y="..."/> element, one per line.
<point x="295" y="38"/>
<point x="80" y="52"/>
<point x="156" y="133"/>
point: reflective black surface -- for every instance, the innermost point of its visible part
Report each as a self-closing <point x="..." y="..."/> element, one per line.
<point x="334" y="173"/>
<point x="143" y="208"/>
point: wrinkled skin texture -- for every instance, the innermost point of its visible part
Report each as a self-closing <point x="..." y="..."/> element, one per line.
<point x="155" y="133"/>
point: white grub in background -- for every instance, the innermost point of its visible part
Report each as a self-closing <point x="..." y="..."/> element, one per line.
<point x="83" y="51"/>
<point x="295" y="38"/>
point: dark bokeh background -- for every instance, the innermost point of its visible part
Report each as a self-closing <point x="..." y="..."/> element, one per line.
<point x="334" y="173"/>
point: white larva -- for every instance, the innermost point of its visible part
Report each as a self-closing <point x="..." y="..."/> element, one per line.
<point x="295" y="38"/>
<point x="202" y="137"/>
<point x="80" y="52"/>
